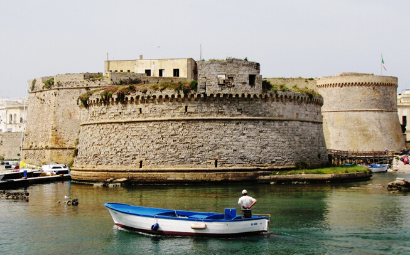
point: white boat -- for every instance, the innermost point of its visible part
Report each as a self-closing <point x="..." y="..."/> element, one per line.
<point x="379" y="168"/>
<point x="19" y="173"/>
<point x="185" y="223"/>
<point x="55" y="169"/>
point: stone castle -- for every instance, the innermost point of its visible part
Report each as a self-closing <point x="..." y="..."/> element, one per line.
<point x="228" y="129"/>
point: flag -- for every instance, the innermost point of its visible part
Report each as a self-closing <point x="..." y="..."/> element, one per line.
<point x="383" y="64"/>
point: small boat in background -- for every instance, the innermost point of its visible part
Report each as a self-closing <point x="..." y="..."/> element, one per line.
<point x="55" y="169"/>
<point x="379" y="168"/>
<point x="159" y="221"/>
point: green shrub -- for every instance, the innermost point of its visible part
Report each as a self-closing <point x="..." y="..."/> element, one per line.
<point x="266" y="85"/>
<point x="48" y="84"/>
<point x="33" y="83"/>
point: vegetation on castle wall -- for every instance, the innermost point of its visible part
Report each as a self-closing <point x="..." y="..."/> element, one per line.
<point x="33" y="83"/>
<point x="48" y="84"/>
<point x="129" y="81"/>
<point x="268" y="86"/>
<point x="106" y="94"/>
<point x="98" y="78"/>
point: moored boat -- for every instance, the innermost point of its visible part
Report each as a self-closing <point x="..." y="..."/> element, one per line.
<point x="55" y="169"/>
<point x="379" y="168"/>
<point x="185" y="223"/>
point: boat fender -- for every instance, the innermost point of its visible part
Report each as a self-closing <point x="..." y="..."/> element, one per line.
<point x="198" y="226"/>
<point x="155" y="227"/>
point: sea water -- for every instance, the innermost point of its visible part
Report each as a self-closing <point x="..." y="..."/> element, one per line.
<point x="349" y="218"/>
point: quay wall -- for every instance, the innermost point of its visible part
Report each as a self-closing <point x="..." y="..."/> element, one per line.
<point x="165" y="137"/>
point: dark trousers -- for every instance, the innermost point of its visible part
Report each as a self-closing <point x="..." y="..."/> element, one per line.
<point x="246" y="214"/>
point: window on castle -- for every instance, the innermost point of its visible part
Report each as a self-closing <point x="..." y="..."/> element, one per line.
<point x="120" y="71"/>
<point x="161" y="72"/>
<point x="10" y="118"/>
<point x="221" y="79"/>
<point x="176" y="72"/>
<point x="148" y="72"/>
<point x="252" y="79"/>
<point x="21" y="119"/>
<point x="15" y="118"/>
<point x="230" y="80"/>
<point x="128" y="71"/>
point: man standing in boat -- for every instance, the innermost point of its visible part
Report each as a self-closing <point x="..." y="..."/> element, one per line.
<point x="246" y="202"/>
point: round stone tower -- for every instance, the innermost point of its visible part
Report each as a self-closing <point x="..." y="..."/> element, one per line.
<point x="360" y="112"/>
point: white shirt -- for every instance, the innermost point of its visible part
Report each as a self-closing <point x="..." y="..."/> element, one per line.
<point x="245" y="201"/>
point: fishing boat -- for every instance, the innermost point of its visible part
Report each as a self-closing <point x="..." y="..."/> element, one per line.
<point x="379" y="168"/>
<point x="159" y="221"/>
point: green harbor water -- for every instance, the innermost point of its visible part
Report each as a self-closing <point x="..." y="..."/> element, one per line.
<point x="349" y="218"/>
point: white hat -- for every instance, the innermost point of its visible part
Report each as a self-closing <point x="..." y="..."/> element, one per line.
<point x="244" y="192"/>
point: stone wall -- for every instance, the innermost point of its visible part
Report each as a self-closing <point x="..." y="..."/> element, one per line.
<point x="53" y="118"/>
<point x="117" y="77"/>
<point x="360" y="112"/>
<point x="302" y="83"/>
<point x="229" y="76"/>
<point x="170" y="136"/>
<point x="10" y="143"/>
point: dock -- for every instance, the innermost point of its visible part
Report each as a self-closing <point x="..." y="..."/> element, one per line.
<point x="17" y="183"/>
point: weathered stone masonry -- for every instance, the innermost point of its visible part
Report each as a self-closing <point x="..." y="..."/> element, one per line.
<point x="198" y="136"/>
<point x="360" y="112"/>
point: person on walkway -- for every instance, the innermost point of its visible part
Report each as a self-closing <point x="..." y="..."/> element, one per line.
<point x="246" y="202"/>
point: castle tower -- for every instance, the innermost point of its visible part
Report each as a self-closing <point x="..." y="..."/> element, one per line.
<point x="360" y="112"/>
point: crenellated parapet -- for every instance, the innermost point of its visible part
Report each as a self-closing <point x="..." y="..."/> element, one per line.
<point x="170" y="96"/>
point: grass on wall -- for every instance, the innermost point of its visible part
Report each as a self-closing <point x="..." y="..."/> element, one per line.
<point x="121" y="91"/>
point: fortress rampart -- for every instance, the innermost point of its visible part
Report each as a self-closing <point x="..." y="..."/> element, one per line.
<point x="166" y="137"/>
<point x="360" y="112"/>
<point x="228" y="129"/>
<point x="53" y="117"/>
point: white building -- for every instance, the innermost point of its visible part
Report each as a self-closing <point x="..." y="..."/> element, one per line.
<point x="12" y="115"/>
<point x="403" y="109"/>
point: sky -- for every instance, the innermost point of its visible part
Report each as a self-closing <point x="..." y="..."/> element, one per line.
<point x="292" y="38"/>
